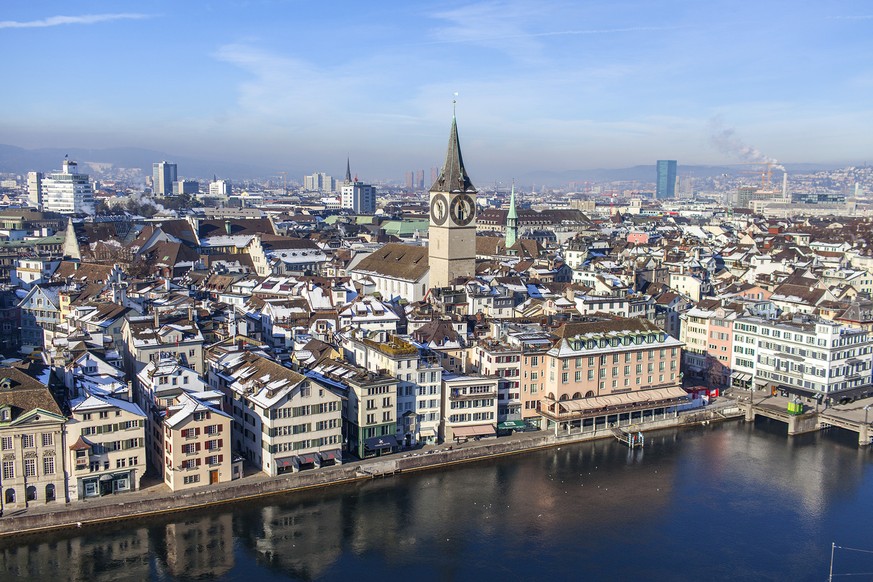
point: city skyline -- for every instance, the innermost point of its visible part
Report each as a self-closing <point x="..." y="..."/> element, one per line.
<point x="552" y="87"/>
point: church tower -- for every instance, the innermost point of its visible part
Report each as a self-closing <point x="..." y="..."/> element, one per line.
<point x="511" y="221"/>
<point x="452" y="233"/>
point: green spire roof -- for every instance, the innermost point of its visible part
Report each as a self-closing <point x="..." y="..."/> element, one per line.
<point x="512" y="212"/>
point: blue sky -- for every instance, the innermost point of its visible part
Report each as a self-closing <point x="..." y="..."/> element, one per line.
<point x="542" y="85"/>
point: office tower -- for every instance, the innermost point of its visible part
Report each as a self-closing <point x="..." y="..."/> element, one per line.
<point x="358" y="197"/>
<point x="410" y="180"/>
<point x="220" y="188"/>
<point x="319" y="182"/>
<point x="67" y="191"/>
<point x="186" y="187"/>
<point x="163" y="176"/>
<point x="452" y="244"/>
<point x="666" y="185"/>
<point x="419" y="180"/>
<point x="34" y="189"/>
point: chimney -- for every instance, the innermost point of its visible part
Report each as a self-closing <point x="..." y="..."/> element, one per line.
<point x="190" y="313"/>
<point x="157" y="318"/>
<point x="227" y="226"/>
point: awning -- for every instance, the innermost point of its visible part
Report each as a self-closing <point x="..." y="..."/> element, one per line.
<point x="427" y="432"/>
<point x="511" y="425"/>
<point x="380" y="442"/>
<point x="308" y="458"/>
<point x="742" y="376"/>
<point x="330" y="455"/>
<point x="473" y="431"/>
<point x="285" y="462"/>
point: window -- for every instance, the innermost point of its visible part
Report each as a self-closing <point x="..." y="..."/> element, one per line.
<point x="48" y="465"/>
<point x="8" y="470"/>
<point x="191" y="479"/>
<point x="213" y="460"/>
<point x="27" y="441"/>
<point x="6" y="443"/>
<point x="30" y="467"/>
<point x="47" y="439"/>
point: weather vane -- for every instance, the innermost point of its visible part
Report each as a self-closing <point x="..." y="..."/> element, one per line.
<point x="454" y="102"/>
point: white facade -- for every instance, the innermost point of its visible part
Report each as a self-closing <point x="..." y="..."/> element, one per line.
<point x="815" y="355"/>
<point x="34" y="189"/>
<point x="359" y="197"/>
<point x="68" y="191"/>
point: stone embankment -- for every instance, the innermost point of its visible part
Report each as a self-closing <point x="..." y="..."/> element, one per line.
<point x="143" y="503"/>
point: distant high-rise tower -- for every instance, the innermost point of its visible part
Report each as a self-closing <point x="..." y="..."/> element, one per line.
<point x="68" y="191"/>
<point x="358" y="197"/>
<point x="163" y="176"/>
<point x="34" y="189"/>
<point x="666" y="185"/>
<point x="419" y="180"/>
<point x="452" y="245"/>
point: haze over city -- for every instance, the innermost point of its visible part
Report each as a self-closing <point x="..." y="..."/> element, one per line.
<point x="540" y="85"/>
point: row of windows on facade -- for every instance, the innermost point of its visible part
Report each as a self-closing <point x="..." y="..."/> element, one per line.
<point x="456" y="418"/>
<point x="306" y="410"/>
<point x="321" y="425"/>
<point x="534" y="387"/>
<point x="28" y="441"/>
<point x="371" y="418"/>
<point x="305" y="444"/>
<point x="30" y="466"/>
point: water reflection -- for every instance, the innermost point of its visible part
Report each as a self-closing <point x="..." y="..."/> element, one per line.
<point x="563" y="511"/>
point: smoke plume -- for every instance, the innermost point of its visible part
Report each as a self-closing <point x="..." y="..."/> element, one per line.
<point x="725" y="139"/>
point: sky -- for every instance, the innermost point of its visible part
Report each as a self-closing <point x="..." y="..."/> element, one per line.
<point x="541" y="85"/>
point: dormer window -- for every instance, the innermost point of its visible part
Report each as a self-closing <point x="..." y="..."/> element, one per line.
<point x="5" y="415"/>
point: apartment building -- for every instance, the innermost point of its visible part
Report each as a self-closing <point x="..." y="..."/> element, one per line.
<point x="470" y="406"/>
<point x="197" y="450"/>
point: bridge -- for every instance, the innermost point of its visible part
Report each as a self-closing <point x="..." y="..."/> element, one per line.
<point x="852" y="417"/>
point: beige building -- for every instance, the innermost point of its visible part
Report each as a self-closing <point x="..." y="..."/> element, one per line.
<point x="452" y="232"/>
<point x="282" y="421"/>
<point x="197" y="449"/>
<point x="149" y="338"/>
<point x="31" y="443"/>
<point x="107" y="447"/>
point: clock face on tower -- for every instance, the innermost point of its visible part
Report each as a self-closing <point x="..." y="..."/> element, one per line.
<point x="439" y="209"/>
<point x="463" y="210"/>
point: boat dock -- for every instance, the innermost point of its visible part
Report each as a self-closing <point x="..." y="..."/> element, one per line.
<point x="631" y="439"/>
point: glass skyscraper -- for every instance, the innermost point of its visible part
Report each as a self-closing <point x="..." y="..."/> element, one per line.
<point x="666" y="179"/>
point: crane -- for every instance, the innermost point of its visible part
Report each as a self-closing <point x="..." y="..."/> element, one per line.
<point x="284" y="182"/>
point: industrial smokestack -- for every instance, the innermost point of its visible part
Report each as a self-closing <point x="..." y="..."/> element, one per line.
<point x="785" y="185"/>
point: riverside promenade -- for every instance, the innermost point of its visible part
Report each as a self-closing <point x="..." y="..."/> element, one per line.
<point x="157" y="499"/>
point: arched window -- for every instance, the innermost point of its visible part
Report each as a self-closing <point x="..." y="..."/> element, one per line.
<point x="49" y="492"/>
<point x="576" y="395"/>
<point x="589" y="394"/>
<point x="10" y="495"/>
<point x="31" y="493"/>
<point x="550" y="396"/>
<point x="564" y="397"/>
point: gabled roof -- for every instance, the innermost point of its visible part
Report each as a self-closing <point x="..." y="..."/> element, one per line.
<point x="25" y="394"/>
<point x="396" y="260"/>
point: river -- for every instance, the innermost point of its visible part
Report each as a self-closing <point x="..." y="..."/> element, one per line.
<point x="724" y="502"/>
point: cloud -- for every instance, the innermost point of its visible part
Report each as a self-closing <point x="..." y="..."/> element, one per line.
<point x="61" y="20"/>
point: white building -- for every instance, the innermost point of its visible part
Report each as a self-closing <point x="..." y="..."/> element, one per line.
<point x="68" y="191"/>
<point x="805" y="356"/>
<point x="359" y="197"/>
<point x="220" y="188"/>
<point x="34" y="189"/>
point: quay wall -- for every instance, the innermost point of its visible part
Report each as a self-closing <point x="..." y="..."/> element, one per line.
<point x="81" y="513"/>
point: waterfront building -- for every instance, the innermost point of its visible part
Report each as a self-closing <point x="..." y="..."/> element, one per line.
<point x="106" y="439"/>
<point x="196" y="447"/>
<point x="666" y="180"/>
<point x="67" y="191"/>
<point x="452" y="232"/>
<point x="419" y="376"/>
<point x="31" y="441"/>
<point x="369" y="406"/>
<point x="601" y="363"/>
<point x="494" y="358"/>
<point x="164" y="174"/>
<point x="707" y="334"/>
<point x="802" y="355"/>
<point x="470" y="406"/>
<point x="282" y="421"/>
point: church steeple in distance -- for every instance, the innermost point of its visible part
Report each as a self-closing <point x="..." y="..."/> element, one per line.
<point x="348" y="179"/>
<point x="511" y="220"/>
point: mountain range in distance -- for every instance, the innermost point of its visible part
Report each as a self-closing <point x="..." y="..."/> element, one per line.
<point x="17" y="160"/>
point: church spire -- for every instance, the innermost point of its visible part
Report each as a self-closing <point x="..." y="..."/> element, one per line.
<point x="453" y="176"/>
<point x="511" y="220"/>
<point x="348" y="171"/>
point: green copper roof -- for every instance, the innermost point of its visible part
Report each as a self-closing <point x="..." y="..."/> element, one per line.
<point x="512" y="212"/>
